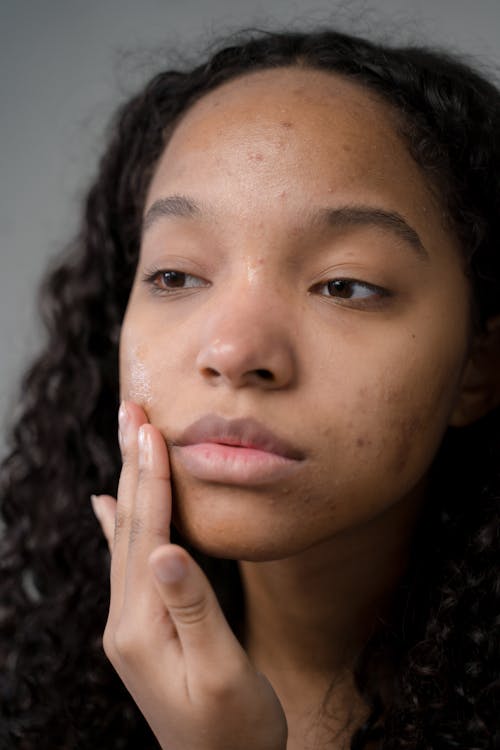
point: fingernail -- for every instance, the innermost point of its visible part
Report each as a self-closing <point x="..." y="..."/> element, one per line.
<point x="145" y="448"/>
<point x="123" y="420"/>
<point x="169" y="569"/>
<point x="96" y="506"/>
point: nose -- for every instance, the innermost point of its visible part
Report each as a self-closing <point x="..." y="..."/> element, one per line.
<point x="247" y="343"/>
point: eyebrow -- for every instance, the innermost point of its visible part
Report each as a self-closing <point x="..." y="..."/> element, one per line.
<point x="174" y="205"/>
<point x="359" y="216"/>
<point x="181" y="206"/>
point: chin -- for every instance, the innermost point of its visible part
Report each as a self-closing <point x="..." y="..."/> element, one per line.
<point x="244" y="551"/>
<point x="232" y="541"/>
<point x="220" y="524"/>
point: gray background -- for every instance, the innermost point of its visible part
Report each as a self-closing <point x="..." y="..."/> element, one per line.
<point x="65" y="65"/>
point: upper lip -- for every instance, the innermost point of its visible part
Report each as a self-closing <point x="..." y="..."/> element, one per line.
<point x="243" y="432"/>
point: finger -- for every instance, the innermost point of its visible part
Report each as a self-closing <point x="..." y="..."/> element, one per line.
<point x="131" y="416"/>
<point x="208" y="643"/>
<point x="150" y="519"/>
<point x="104" y="507"/>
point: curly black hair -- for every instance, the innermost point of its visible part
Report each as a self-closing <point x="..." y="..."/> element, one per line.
<point x="57" y="689"/>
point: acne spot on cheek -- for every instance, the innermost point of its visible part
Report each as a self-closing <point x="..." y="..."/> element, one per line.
<point x="326" y="432"/>
<point x="286" y="124"/>
<point x="407" y="431"/>
<point x="362" y="441"/>
<point x="257" y="156"/>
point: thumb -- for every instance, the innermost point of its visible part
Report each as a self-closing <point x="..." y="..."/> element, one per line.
<point x="205" y="636"/>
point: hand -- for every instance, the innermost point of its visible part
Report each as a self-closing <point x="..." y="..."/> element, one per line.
<point x="166" y="635"/>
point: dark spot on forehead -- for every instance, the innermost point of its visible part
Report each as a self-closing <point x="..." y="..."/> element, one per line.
<point x="286" y="124"/>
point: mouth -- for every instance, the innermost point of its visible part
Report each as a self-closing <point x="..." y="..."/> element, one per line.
<point x="240" y="452"/>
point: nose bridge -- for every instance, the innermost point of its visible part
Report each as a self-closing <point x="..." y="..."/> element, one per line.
<point x="246" y="335"/>
<point x="255" y="300"/>
<point x="254" y="291"/>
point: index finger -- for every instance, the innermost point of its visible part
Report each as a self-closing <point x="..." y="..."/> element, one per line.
<point x="151" y="512"/>
<point x="152" y="508"/>
<point x="132" y="416"/>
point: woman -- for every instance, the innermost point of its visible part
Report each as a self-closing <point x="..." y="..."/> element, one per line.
<point x="288" y="273"/>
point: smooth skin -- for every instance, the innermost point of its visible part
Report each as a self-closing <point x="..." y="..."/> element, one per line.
<point x="364" y="383"/>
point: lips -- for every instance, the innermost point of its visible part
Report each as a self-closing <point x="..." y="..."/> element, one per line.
<point x="244" y="433"/>
<point x="236" y="452"/>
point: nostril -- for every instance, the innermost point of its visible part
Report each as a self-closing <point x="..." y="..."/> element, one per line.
<point x="210" y="371"/>
<point x="261" y="373"/>
<point x="265" y="374"/>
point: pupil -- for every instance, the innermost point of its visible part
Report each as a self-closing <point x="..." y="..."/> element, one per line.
<point x="339" y="287"/>
<point x="174" y="278"/>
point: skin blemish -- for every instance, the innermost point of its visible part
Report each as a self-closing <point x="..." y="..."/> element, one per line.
<point x="286" y="124"/>
<point x="408" y="431"/>
<point x="255" y="156"/>
<point x="361" y="441"/>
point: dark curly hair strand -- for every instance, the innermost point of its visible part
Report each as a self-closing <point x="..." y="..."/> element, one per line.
<point x="57" y="689"/>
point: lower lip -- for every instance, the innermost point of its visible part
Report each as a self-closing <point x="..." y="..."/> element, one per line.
<point x="226" y="464"/>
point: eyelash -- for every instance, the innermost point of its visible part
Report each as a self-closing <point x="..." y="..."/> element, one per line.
<point x="376" y="298"/>
<point x="150" y="277"/>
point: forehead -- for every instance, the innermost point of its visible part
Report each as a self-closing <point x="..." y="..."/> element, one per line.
<point x="279" y="109"/>
<point x="281" y="137"/>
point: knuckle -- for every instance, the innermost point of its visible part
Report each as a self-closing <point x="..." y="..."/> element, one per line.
<point x="222" y="685"/>
<point x="144" y="477"/>
<point x="191" y="613"/>
<point x="108" y="644"/>
<point x="217" y="688"/>
<point x="122" y="521"/>
<point x="126" y="643"/>
<point x="129" y="459"/>
<point x="136" y="528"/>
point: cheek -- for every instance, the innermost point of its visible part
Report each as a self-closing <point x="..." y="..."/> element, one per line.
<point x="140" y="387"/>
<point x="148" y="368"/>
<point x="401" y="416"/>
<point x="136" y="381"/>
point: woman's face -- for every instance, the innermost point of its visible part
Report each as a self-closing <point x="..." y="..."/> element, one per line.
<point x="274" y="190"/>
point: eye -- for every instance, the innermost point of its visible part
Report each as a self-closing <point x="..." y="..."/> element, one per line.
<point x="360" y="292"/>
<point x="167" y="281"/>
